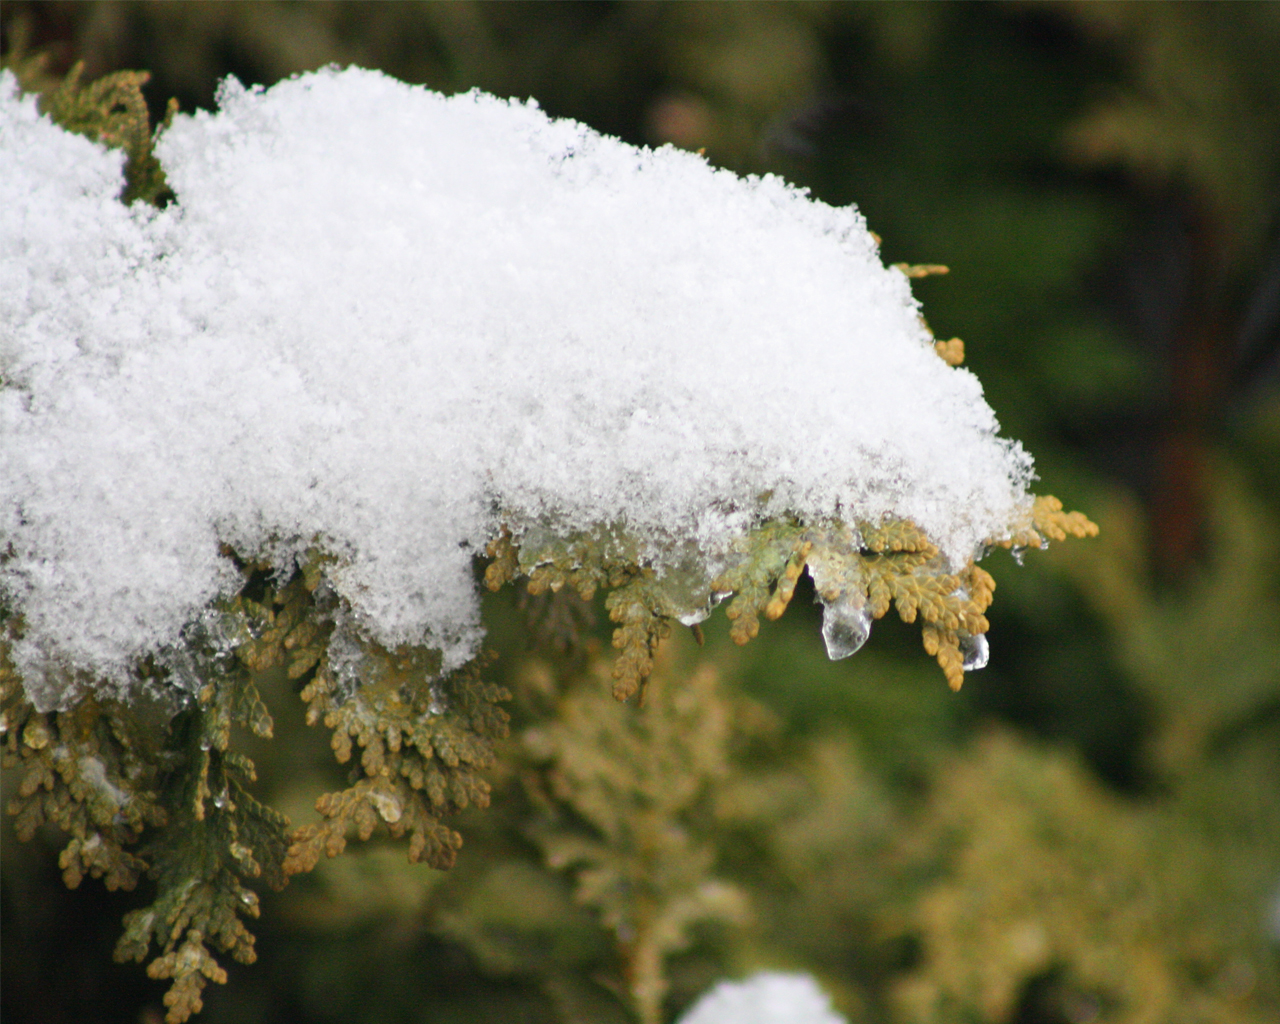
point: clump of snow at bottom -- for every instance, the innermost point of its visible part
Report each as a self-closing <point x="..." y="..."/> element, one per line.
<point x="766" y="998"/>
<point x="391" y="321"/>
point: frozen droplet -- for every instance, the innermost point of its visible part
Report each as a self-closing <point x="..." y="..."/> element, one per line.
<point x="439" y="702"/>
<point x="348" y="663"/>
<point x="1018" y="551"/>
<point x="846" y="624"/>
<point x="387" y="804"/>
<point x="184" y="672"/>
<point x="703" y="610"/>
<point x="976" y="652"/>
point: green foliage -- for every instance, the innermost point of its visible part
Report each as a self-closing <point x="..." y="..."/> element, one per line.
<point x="423" y="740"/>
<point x="93" y="771"/>
<point x="872" y="566"/>
<point x="150" y="793"/>
<point x="216" y="834"/>
<point x="168" y="795"/>
<point x="110" y="110"/>
<point x="626" y="794"/>
<point x="1049" y="879"/>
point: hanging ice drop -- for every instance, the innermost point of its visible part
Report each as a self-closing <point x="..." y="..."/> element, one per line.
<point x="976" y="652"/>
<point x="845" y="624"/>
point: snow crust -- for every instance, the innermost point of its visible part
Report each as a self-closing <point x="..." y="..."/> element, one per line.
<point x="766" y="998"/>
<point x="391" y="320"/>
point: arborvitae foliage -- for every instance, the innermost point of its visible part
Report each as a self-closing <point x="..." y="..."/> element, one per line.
<point x="627" y="796"/>
<point x="110" y="110"/>
<point x="155" y="786"/>
<point x="144" y="790"/>
<point x="1060" y="898"/>
<point x="92" y="771"/>
<point x="858" y="573"/>
<point x="423" y="741"/>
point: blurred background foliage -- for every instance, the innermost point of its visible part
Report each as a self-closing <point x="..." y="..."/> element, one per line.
<point x="1090" y="830"/>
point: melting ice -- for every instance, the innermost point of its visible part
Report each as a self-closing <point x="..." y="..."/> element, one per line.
<point x="975" y="651"/>
<point x="846" y="624"/>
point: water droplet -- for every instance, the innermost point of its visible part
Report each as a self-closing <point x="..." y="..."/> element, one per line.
<point x="348" y="662"/>
<point x="388" y="805"/>
<point x="1018" y="551"/>
<point x="701" y="612"/>
<point x="846" y="624"/>
<point x="439" y="702"/>
<point x="976" y="652"/>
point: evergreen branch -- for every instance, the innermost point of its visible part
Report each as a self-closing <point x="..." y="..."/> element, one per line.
<point x="82" y="774"/>
<point x="631" y="788"/>
<point x="423" y="742"/>
<point x="217" y="834"/>
<point x="110" y="110"/>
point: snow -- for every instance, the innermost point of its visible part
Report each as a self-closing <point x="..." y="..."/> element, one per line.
<point x="765" y="998"/>
<point x="390" y="321"/>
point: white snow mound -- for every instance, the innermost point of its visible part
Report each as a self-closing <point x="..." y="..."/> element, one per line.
<point x="391" y="319"/>
<point x="766" y="998"/>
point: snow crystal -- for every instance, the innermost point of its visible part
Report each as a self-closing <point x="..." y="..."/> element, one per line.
<point x="390" y="320"/>
<point x="766" y="998"/>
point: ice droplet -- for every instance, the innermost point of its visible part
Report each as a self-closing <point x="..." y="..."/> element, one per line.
<point x="976" y="651"/>
<point x="846" y="624"/>
<point x="388" y="805"/>
<point x="439" y="702"/>
<point x="700" y="613"/>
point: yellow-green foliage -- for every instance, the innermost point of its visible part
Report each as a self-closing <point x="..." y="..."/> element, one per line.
<point x="85" y="770"/>
<point x="1049" y="877"/>
<point x="110" y="110"/>
<point x="168" y="786"/>
<point x="142" y="790"/>
<point x="423" y="742"/>
<point x="882" y="563"/>
<point x="627" y="795"/>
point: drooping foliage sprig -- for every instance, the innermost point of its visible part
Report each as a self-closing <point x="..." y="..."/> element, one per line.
<point x="155" y="787"/>
<point x="858" y="572"/>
